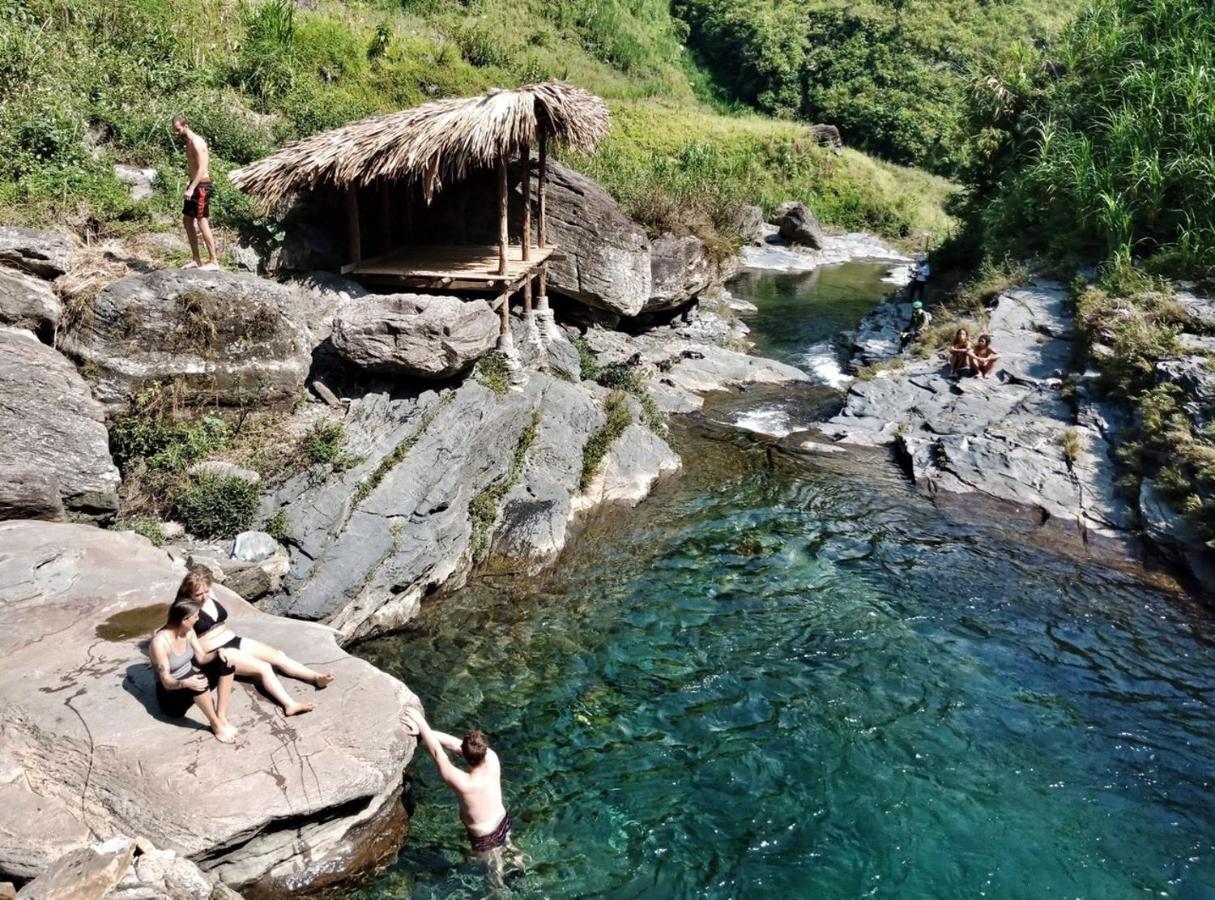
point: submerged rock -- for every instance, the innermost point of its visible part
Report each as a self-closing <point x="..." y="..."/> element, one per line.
<point x="56" y="445"/>
<point x="218" y="336"/>
<point x="297" y="805"/>
<point x="414" y="334"/>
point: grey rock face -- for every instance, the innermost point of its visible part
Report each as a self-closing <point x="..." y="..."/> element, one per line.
<point x="29" y="492"/>
<point x="797" y="225"/>
<point x="369" y="543"/>
<point x="47" y="254"/>
<point x="750" y="225"/>
<point x="320" y="294"/>
<point x="218" y="336"/>
<point x="253" y="546"/>
<point x="142" y="181"/>
<point x="27" y="302"/>
<point x="1194" y="376"/>
<point x="416" y="335"/>
<point x="1008" y="437"/>
<point x="54" y="432"/>
<point x="318" y="797"/>
<point x="679" y="270"/>
<point x="87" y="873"/>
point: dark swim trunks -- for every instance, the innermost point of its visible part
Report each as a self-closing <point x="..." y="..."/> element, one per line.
<point x="199" y="204"/>
<point x="499" y="837"/>
<point x="178" y="702"/>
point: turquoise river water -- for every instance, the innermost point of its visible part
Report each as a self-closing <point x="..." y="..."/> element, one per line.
<point x="795" y="678"/>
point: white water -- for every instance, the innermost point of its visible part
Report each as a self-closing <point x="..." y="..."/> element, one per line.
<point x="837" y="249"/>
<point x="770" y="420"/>
<point x="822" y="361"/>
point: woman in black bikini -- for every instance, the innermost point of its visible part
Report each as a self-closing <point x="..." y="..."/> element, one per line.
<point x="959" y="352"/>
<point x="252" y="659"/>
<point x="186" y="674"/>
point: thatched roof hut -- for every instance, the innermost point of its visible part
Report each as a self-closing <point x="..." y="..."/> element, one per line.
<point x="433" y="144"/>
<point x="398" y="158"/>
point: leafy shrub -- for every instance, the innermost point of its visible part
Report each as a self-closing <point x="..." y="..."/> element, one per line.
<point x="278" y="527"/>
<point x="210" y="506"/>
<point x="492" y="371"/>
<point x="616" y="410"/>
<point x="587" y="361"/>
<point x="323" y="444"/>
<point x="149" y="528"/>
<point x="165" y="443"/>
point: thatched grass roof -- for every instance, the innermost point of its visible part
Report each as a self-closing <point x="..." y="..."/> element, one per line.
<point x="432" y="144"/>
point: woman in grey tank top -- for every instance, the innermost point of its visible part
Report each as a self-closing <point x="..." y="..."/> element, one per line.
<point x="186" y="674"/>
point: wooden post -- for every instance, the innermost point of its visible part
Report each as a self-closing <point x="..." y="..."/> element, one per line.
<point x="544" y="280"/>
<point x="526" y="152"/>
<point x="505" y="329"/>
<point x="527" y="296"/>
<point x="503" y="229"/>
<point x="353" y="232"/>
<point x="542" y="223"/>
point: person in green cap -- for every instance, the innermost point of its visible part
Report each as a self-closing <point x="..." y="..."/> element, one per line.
<point x="920" y="317"/>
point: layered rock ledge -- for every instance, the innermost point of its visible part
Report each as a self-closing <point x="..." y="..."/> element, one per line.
<point x="1015" y="437"/>
<point x="297" y="805"/>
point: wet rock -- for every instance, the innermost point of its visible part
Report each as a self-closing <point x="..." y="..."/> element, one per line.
<point x="28" y="302"/>
<point x="797" y="225"/>
<point x="84" y="874"/>
<point x="217" y="336"/>
<point x="1172" y="536"/>
<point x="316" y="798"/>
<point x="415" y="335"/>
<point x="47" y="254"/>
<point x="54" y="432"/>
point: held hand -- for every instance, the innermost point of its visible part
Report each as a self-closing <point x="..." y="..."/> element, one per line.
<point x="195" y="683"/>
<point x="413" y="720"/>
<point x="187" y="194"/>
<point x="222" y="653"/>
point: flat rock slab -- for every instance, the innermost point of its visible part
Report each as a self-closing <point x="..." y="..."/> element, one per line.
<point x="55" y="437"/>
<point x="28" y="302"/>
<point x="297" y="804"/>
<point x="47" y="254"/>
<point x="1008" y="437"/>
<point x="218" y="336"/>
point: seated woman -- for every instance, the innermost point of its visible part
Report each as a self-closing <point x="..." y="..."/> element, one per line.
<point x="186" y="674"/>
<point x="984" y="357"/>
<point x="959" y="352"/>
<point x="252" y="659"/>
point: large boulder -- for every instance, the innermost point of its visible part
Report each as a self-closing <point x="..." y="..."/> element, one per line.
<point x="28" y="302"/>
<point x="47" y="254"/>
<point x="57" y="450"/>
<point x="680" y="269"/>
<point x="797" y="225"/>
<point x="414" y="334"/>
<point x="298" y="805"/>
<point x="219" y="337"/>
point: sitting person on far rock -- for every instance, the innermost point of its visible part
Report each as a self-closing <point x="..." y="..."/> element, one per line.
<point x="186" y="673"/>
<point x="252" y="659"/>
<point x="920" y="317"/>
<point x="984" y="357"/>
<point x="959" y="352"/>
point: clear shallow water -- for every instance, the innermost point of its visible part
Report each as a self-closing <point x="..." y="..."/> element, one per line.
<point x="787" y="676"/>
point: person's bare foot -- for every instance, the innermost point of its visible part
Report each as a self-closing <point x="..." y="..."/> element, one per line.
<point x="192" y="264"/>
<point x="324" y="680"/>
<point x="210" y="267"/>
<point x="298" y="709"/>
<point x="225" y="734"/>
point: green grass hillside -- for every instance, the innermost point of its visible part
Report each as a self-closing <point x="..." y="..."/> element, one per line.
<point x="87" y="84"/>
<point x="893" y="75"/>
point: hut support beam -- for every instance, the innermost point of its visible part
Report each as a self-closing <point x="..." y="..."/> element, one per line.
<point x="353" y="232"/>
<point x="526" y="153"/>
<point x="541" y="190"/>
<point x="503" y="225"/>
<point x="506" y="342"/>
<point x="545" y="323"/>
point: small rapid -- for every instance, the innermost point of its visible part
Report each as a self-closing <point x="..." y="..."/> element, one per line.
<point x="798" y="676"/>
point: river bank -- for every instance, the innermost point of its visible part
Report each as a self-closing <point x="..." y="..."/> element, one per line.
<point x="893" y="690"/>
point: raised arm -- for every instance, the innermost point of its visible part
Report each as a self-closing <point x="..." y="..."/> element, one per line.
<point x="448" y="742"/>
<point x="160" y="662"/>
<point x="451" y="775"/>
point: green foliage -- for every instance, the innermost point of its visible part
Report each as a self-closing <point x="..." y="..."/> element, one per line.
<point x="483" y="508"/>
<point x="149" y="528"/>
<point x="1071" y="446"/>
<point x="893" y="75"/>
<point x="618" y="418"/>
<point x="492" y="371"/>
<point x="210" y="506"/>
<point x="587" y="361"/>
<point x="323" y="444"/>
<point x="1105" y="151"/>
<point x="164" y="442"/>
<point x="278" y="527"/>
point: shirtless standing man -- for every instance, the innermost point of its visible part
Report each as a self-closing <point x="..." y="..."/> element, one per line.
<point x="198" y="195"/>
<point x="479" y="791"/>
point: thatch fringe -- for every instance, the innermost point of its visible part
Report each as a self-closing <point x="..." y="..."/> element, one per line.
<point x="431" y="144"/>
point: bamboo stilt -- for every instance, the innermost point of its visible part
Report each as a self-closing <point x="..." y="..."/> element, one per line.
<point x="542" y="220"/>
<point x="503" y="225"/>
<point x="526" y="152"/>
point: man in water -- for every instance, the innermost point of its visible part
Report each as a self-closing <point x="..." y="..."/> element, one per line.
<point x="197" y="205"/>
<point x="920" y="318"/>
<point x="478" y="791"/>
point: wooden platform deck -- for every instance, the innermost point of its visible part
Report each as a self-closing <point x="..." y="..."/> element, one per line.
<point x="466" y="268"/>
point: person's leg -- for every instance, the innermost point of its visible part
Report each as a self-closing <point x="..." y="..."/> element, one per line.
<point x="285" y="663"/>
<point x="204" y="225"/>
<point x="261" y="671"/>
<point x="192" y="237"/>
<point x="224" y="694"/>
<point x="224" y="732"/>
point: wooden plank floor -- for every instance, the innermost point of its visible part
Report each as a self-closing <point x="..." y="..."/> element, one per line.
<point x="469" y="263"/>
